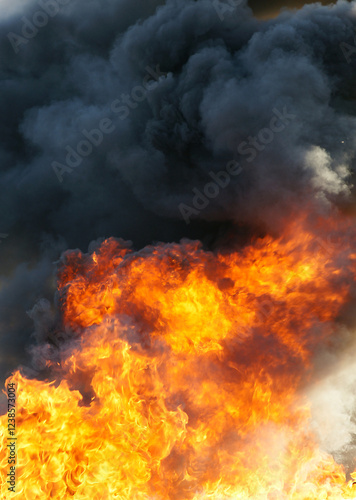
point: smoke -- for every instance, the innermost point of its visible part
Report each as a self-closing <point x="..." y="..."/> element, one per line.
<point x="332" y="401"/>
<point x="180" y="91"/>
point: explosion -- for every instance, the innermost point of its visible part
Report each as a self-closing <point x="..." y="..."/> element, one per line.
<point x="184" y="375"/>
<point x="196" y="370"/>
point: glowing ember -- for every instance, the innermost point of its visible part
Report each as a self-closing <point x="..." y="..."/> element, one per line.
<point x="194" y="363"/>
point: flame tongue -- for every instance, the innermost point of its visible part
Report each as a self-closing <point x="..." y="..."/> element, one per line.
<point x="195" y="363"/>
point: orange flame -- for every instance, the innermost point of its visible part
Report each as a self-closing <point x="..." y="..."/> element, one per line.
<point x="195" y="363"/>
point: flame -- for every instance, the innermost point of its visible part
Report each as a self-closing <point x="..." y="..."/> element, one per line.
<point x="184" y="374"/>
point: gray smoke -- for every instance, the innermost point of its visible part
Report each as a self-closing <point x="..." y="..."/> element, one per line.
<point x="193" y="114"/>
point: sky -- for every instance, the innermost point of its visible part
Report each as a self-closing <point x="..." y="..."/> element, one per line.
<point x="271" y="8"/>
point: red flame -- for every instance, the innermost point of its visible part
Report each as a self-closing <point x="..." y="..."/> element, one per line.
<point x="195" y="362"/>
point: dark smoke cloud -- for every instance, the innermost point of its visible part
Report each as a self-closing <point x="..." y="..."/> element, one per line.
<point x="224" y="75"/>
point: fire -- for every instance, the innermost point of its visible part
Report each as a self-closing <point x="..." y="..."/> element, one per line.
<point x="184" y="377"/>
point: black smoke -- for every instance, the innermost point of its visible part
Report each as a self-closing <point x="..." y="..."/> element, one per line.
<point x="213" y="77"/>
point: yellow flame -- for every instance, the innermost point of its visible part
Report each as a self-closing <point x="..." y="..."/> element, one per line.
<point x="191" y="364"/>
